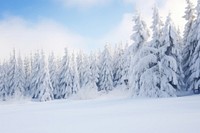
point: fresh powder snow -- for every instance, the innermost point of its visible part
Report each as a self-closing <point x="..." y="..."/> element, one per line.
<point x="103" y="115"/>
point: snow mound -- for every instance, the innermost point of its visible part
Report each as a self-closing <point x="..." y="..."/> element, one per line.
<point x="89" y="93"/>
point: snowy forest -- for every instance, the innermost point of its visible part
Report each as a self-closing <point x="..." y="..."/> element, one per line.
<point x="164" y="64"/>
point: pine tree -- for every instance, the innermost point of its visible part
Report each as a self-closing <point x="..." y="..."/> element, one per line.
<point x="65" y="78"/>
<point x="146" y="79"/>
<point x="140" y="33"/>
<point x="118" y="65"/>
<point x="94" y="68"/>
<point x="20" y="78"/>
<point x="11" y="74"/>
<point x="193" y="81"/>
<point x="139" y="36"/>
<point x="126" y="65"/>
<point x="189" y="17"/>
<point x="146" y="74"/>
<point x="3" y="82"/>
<point x="43" y="90"/>
<point x="89" y="88"/>
<point x="188" y="44"/>
<point x="80" y="67"/>
<point x="105" y="78"/>
<point x="27" y="72"/>
<point x="35" y="71"/>
<point x="53" y="72"/>
<point x="170" y="64"/>
<point x="75" y="76"/>
<point x="87" y="74"/>
<point x="156" y="28"/>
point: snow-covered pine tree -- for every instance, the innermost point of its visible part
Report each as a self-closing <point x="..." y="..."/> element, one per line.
<point x="140" y="36"/>
<point x="27" y="71"/>
<point x="2" y="90"/>
<point x="19" y="78"/>
<point x="65" y="78"/>
<point x="156" y="28"/>
<point x="12" y="67"/>
<point x="80" y="67"/>
<point x="106" y="76"/>
<point x="147" y="76"/>
<point x="53" y="72"/>
<point x="98" y="63"/>
<point x="126" y="65"/>
<point x="75" y="75"/>
<point x="194" y="66"/>
<point x="146" y="70"/>
<point x="3" y="82"/>
<point x="189" y="17"/>
<point x="35" y="71"/>
<point x="94" y="66"/>
<point x="87" y="75"/>
<point x="188" y="44"/>
<point x="43" y="87"/>
<point x="170" y="64"/>
<point x="89" y="88"/>
<point x="118" y="65"/>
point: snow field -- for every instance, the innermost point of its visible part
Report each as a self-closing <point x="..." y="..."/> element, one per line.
<point x="103" y="115"/>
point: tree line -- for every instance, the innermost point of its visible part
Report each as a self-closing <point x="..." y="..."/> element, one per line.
<point x="163" y="66"/>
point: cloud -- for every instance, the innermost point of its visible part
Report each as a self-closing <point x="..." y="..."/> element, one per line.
<point x="175" y="7"/>
<point x="121" y="33"/>
<point x="143" y="6"/>
<point x="26" y="37"/>
<point x="46" y="34"/>
<point x="83" y="3"/>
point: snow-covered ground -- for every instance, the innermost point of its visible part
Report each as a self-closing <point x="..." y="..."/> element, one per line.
<point x="103" y="115"/>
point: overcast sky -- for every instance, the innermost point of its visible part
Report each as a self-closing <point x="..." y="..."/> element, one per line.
<point x="28" y="25"/>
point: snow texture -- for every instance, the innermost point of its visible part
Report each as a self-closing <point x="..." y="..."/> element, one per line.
<point x="105" y="115"/>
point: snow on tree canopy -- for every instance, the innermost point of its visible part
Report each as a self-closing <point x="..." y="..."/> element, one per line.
<point x="147" y="68"/>
<point x="170" y="61"/>
<point x="65" y="78"/>
<point x="41" y="85"/>
<point x="75" y="75"/>
<point x="105" y="77"/>
<point x="156" y="28"/>
<point x="53" y="72"/>
<point x="193" y="74"/>
<point x="140" y="36"/>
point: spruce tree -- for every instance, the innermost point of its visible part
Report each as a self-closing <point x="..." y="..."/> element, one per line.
<point x="189" y="44"/>
<point x="20" y="78"/>
<point x="3" y="82"/>
<point x="194" y="66"/>
<point x="43" y="90"/>
<point x="146" y="72"/>
<point x="65" y="78"/>
<point x="106" y="76"/>
<point x="170" y="64"/>
<point x="53" y="72"/>
<point x="118" y="65"/>
<point x="139" y="36"/>
<point x="94" y="66"/>
<point x="80" y="67"/>
<point x="156" y="28"/>
<point x="11" y="75"/>
<point x="27" y="72"/>
<point x="75" y="75"/>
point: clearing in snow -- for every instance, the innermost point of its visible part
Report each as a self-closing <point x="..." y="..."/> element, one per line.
<point x="105" y="115"/>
